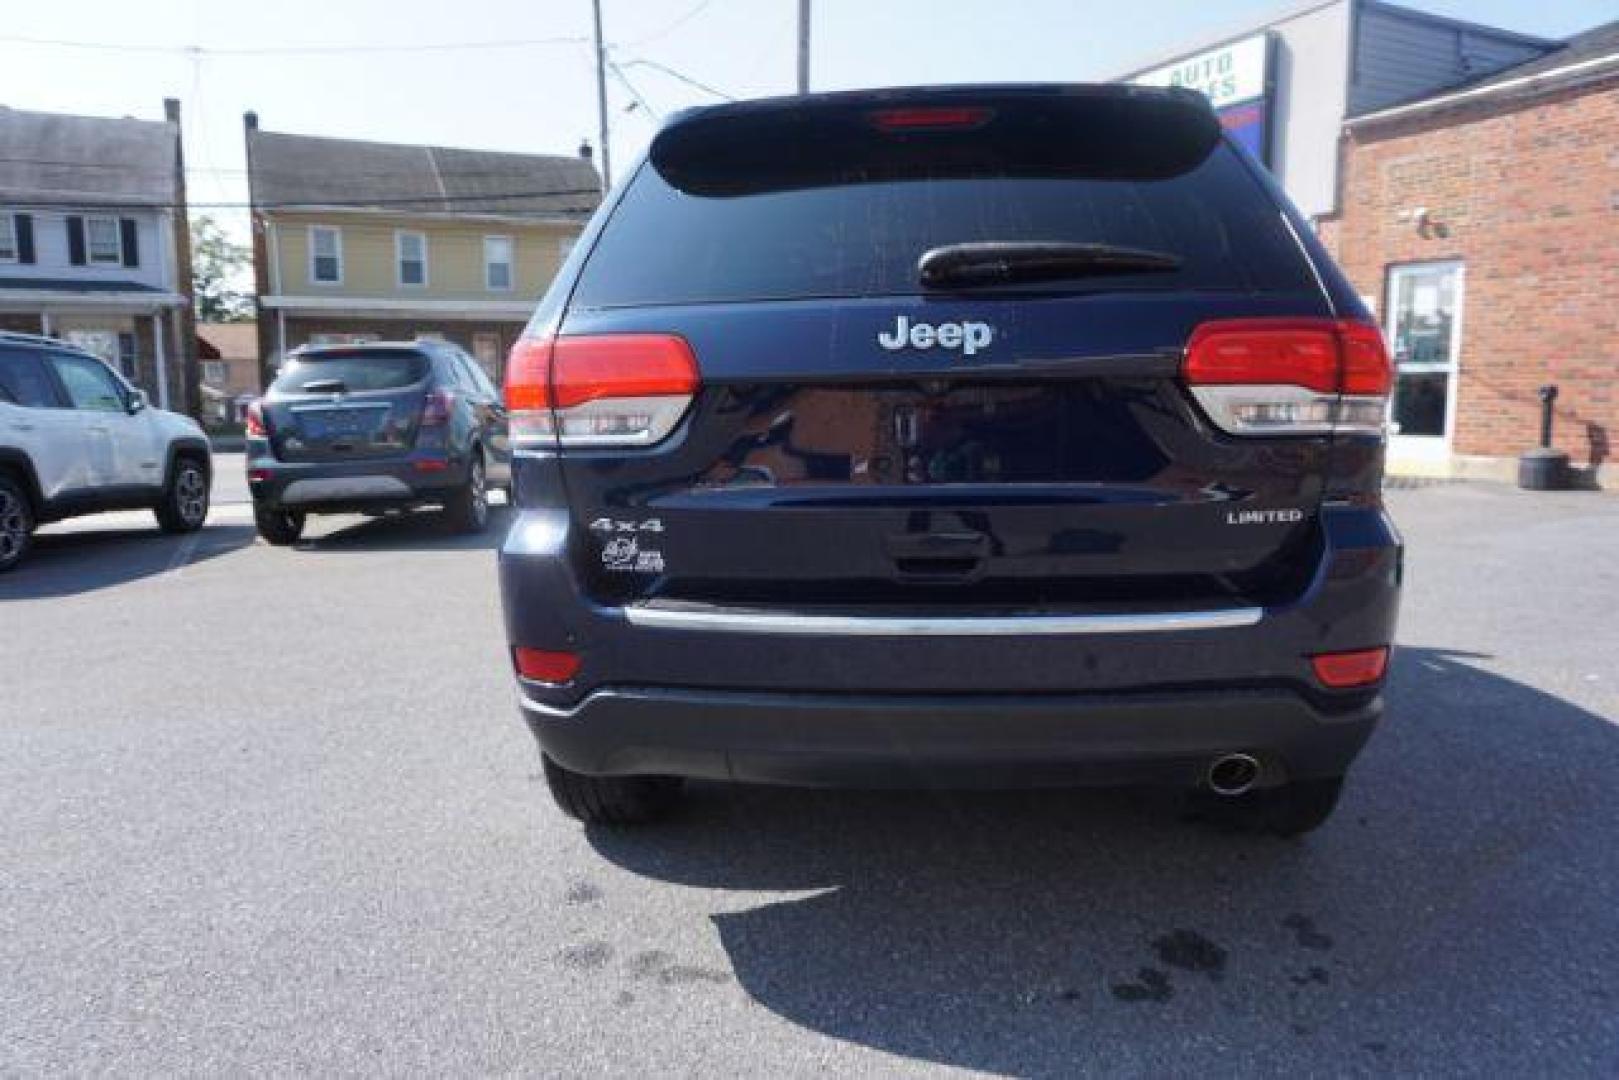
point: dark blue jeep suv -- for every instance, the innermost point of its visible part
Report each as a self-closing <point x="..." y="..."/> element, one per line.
<point x="968" y="436"/>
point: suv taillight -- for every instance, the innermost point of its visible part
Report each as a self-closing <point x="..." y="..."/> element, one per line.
<point x="601" y="390"/>
<point x="1289" y="376"/>
<point x="253" y="421"/>
<point x="436" y="408"/>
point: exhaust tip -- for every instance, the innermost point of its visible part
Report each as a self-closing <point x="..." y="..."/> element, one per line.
<point x="1232" y="774"/>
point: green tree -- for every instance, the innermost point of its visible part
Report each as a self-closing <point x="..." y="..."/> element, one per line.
<point x="219" y="273"/>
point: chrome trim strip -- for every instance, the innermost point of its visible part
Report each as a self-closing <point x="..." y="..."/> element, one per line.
<point x="900" y="626"/>
<point x="530" y="705"/>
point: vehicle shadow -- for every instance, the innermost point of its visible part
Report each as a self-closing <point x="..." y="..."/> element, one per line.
<point x="1457" y="908"/>
<point x="84" y="560"/>
<point x="415" y="530"/>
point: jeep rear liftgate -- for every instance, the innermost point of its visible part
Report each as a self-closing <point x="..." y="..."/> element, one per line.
<point x="1008" y="354"/>
<point x="938" y="437"/>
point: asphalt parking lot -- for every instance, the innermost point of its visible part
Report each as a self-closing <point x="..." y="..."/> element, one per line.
<point x="272" y="810"/>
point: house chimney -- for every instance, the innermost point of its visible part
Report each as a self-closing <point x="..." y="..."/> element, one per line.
<point x="171" y="110"/>
<point x="586" y="151"/>
<point x="251" y="120"/>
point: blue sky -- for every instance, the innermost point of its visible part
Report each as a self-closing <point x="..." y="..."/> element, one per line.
<point x="541" y="96"/>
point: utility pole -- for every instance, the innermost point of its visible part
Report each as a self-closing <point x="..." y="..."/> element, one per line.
<point x="601" y="97"/>
<point x="803" y="45"/>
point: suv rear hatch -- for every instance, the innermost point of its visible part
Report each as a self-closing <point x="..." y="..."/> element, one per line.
<point x="995" y="427"/>
<point x="346" y="404"/>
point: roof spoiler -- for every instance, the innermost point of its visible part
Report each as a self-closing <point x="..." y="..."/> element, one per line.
<point x="1098" y="132"/>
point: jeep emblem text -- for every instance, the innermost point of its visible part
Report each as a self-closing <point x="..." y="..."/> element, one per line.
<point x="969" y="337"/>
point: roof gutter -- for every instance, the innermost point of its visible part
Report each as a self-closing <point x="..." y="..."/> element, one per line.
<point x="1558" y="78"/>
<point x="141" y="301"/>
<point x="402" y="307"/>
<point x="537" y="217"/>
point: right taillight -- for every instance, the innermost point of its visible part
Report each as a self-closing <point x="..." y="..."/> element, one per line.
<point x="1289" y="376"/>
<point x="598" y="390"/>
<point x="253" y="421"/>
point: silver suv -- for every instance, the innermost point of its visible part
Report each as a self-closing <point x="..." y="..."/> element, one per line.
<point x="75" y="438"/>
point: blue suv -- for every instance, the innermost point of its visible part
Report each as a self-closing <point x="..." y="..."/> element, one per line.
<point x="935" y="437"/>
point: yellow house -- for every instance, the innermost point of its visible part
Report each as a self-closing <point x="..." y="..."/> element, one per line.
<point x="364" y="241"/>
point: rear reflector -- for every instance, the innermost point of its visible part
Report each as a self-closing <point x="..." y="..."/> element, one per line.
<point x="1343" y="670"/>
<point x="1289" y="376"/>
<point x="931" y="118"/>
<point x="545" y="666"/>
<point x="602" y="390"/>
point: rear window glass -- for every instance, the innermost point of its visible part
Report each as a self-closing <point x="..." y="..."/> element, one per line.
<point x="358" y="371"/>
<point x="861" y="238"/>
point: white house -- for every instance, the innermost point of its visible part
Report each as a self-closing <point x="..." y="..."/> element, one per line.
<point x="94" y="245"/>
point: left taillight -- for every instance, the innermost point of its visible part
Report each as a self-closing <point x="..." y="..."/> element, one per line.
<point x="600" y="390"/>
<point x="436" y="406"/>
<point x="253" y="421"/>
<point x="1289" y="376"/>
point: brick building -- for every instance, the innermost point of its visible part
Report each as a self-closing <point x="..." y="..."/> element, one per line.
<point x="228" y="367"/>
<point x="1284" y="85"/>
<point x="1483" y="225"/>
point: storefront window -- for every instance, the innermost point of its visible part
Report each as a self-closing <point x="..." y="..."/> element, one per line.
<point x="1424" y="333"/>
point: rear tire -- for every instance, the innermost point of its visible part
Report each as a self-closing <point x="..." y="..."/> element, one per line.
<point x="282" y="528"/>
<point x="611" y="800"/>
<point x="468" y="508"/>
<point x="16" y="523"/>
<point x="184" y="507"/>
<point x="1288" y="810"/>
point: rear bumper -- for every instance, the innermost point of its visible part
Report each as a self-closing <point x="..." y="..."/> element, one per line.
<point x="1074" y="697"/>
<point x="961" y="741"/>
<point x="366" y="483"/>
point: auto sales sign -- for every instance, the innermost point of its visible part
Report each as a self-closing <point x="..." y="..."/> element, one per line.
<point x="1236" y="79"/>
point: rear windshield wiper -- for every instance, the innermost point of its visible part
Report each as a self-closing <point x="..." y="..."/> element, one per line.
<point x="998" y="263"/>
<point x="325" y="386"/>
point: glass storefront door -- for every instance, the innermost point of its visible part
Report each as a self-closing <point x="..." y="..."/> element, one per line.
<point x="1424" y="328"/>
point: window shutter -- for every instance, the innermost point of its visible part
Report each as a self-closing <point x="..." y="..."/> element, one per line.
<point x="23" y="224"/>
<point x="132" y="249"/>
<point x="75" y="240"/>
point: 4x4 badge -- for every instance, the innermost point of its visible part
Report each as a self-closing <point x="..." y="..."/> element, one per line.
<point x="969" y="337"/>
<point x="614" y="525"/>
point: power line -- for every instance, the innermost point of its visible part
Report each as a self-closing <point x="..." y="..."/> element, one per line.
<point x="320" y="204"/>
<point x="673" y="74"/>
<point x="124" y="170"/>
<point x="696" y="10"/>
<point x="289" y="50"/>
<point x="618" y="73"/>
